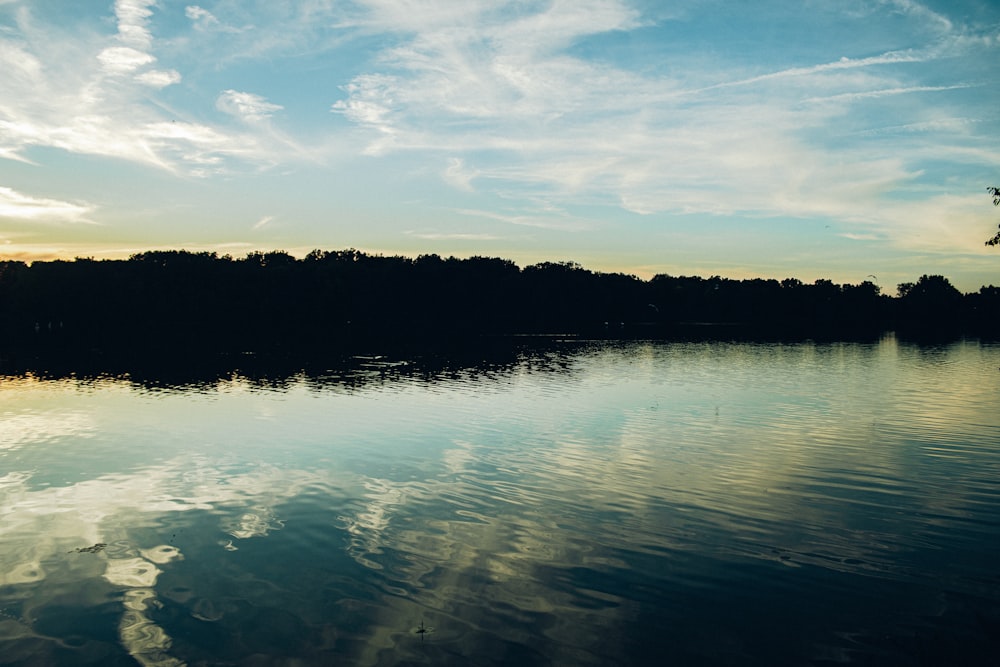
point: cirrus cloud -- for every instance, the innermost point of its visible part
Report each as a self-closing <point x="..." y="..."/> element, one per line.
<point x="19" y="206"/>
<point x="246" y="106"/>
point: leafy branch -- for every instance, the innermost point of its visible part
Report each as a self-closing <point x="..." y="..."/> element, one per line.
<point x="995" y="193"/>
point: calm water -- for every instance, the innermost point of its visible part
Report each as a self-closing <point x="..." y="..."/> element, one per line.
<point x="731" y="504"/>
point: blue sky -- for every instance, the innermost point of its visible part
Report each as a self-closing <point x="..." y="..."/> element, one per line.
<point x="778" y="139"/>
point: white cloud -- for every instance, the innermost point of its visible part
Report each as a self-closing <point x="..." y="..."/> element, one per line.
<point x="885" y="92"/>
<point x="844" y="63"/>
<point x="159" y="78"/>
<point x="132" y="17"/>
<point x="19" y="62"/>
<point x="119" y="59"/>
<point x="133" y="35"/>
<point x="91" y="93"/>
<point x="16" y="205"/>
<point x="246" y="106"/>
<point x="496" y="89"/>
<point x="196" y="13"/>
<point x="528" y="100"/>
<point x="205" y="21"/>
<point x="457" y="176"/>
<point x="370" y="101"/>
<point x="929" y="16"/>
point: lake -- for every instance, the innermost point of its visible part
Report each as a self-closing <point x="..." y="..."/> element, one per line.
<point x="578" y="503"/>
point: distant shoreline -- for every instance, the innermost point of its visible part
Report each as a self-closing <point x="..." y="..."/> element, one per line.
<point x="348" y="301"/>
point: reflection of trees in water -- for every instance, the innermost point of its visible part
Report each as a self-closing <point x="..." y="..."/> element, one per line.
<point x="543" y="535"/>
<point x="272" y="372"/>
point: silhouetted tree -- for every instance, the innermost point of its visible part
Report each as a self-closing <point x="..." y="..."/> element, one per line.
<point x="333" y="300"/>
<point x="995" y="192"/>
<point x="931" y="305"/>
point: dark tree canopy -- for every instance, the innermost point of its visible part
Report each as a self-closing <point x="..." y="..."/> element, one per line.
<point x="177" y="301"/>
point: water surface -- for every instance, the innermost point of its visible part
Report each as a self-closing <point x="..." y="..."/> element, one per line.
<point x="686" y="503"/>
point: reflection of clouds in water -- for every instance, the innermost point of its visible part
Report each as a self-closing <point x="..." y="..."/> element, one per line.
<point x="473" y="550"/>
<point x="48" y="524"/>
<point x="33" y="428"/>
<point x="817" y="451"/>
<point x="368" y="528"/>
<point x="458" y="458"/>
<point x="132" y="572"/>
<point x="27" y="572"/>
<point x="737" y="464"/>
<point x="255" y="523"/>
<point x="546" y="518"/>
<point x="145" y="641"/>
<point x="162" y="554"/>
<point x="75" y="513"/>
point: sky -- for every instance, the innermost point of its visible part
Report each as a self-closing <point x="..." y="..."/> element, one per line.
<point x="849" y="140"/>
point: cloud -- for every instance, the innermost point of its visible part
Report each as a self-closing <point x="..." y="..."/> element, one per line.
<point x="370" y="101"/>
<point x="862" y="237"/>
<point x="922" y="12"/>
<point x="133" y="35"/>
<point x="122" y="59"/>
<point x="872" y="94"/>
<point x="452" y="236"/>
<point x="457" y="176"/>
<point x="263" y="222"/>
<point x="593" y="102"/>
<point x="18" y="62"/>
<point x="94" y="94"/>
<point x="505" y="93"/>
<point x="16" y="205"/>
<point x="844" y="63"/>
<point x="200" y="16"/>
<point x="246" y="106"/>
<point x="159" y="78"/>
<point x="539" y="219"/>
<point x="136" y="40"/>
<point x="205" y="21"/>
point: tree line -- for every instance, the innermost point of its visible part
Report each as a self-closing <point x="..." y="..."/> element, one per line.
<point x="184" y="300"/>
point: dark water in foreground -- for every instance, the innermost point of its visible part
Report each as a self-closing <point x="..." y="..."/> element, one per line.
<point x="730" y="504"/>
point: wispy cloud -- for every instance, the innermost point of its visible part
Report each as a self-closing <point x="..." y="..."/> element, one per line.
<point x="499" y="89"/>
<point x="922" y="12"/>
<point x="201" y="17"/>
<point x="886" y="92"/>
<point x="538" y="219"/>
<point x="246" y="106"/>
<point x="19" y="206"/>
<point x="452" y="236"/>
<point x="844" y="63"/>
<point x="89" y="93"/>
<point x="458" y="176"/>
<point x="545" y="107"/>
<point x="862" y="237"/>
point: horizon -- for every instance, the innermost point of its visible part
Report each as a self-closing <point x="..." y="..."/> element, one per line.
<point x="884" y="290"/>
<point x="704" y="139"/>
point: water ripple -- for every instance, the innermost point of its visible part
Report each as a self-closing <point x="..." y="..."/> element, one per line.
<point x="596" y="504"/>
